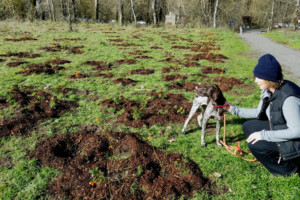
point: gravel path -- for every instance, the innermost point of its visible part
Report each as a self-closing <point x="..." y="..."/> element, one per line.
<point x="287" y="57"/>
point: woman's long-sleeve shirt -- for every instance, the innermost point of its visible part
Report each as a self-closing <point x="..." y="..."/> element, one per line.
<point x="291" y="112"/>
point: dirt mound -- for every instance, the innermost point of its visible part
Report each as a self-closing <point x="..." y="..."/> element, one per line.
<point x="180" y="47"/>
<point x="99" y="65"/>
<point x="57" y="62"/>
<point x="227" y="84"/>
<point x="126" y="61"/>
<point x="21" y="55"/>
<point x="142" y="71"/>
<point x="41" y="68"/>
<point x="215" y="58"/>
<point x="105" y="75"/>
<point x="173" y="77"/>
<point x="189" y="86"/>
<point x="212" y="70"/>
<point x="125" y="81"/>
<point x="167" y="69"/>
<point x="15" y="64"/>
<point x="39" y="106"/>
<point x="117" y="166"/>
<point x="165" y="108"/>
<point x="57" y="47"/>
<point x="78" y="75"/>
<point x="25" y="38"/>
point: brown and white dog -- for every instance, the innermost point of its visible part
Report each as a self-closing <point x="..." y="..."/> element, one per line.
<point x="210" y="97"/>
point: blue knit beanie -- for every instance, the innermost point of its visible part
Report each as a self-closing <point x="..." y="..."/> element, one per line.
<point x="268" y="68"/>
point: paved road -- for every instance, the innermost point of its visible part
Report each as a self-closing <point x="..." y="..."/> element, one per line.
<point x="287" y="57"/>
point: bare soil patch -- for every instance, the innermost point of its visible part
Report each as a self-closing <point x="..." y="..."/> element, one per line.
<point x="78" y="75"/>
<point x="128" y="167"/>
<point x="105" y="75"/>
<point x="16" y="63"/>
<point x="57" y="62"/>
<point x="173" y="77"/>
<point x="21" y="55"/>
<point x="125" y="61"/>
<point x="142" y="71"/>
<point x="125" y="81"/>
<point x="35" y="106"/>
<point x="25" y="38"/>
<point x="164" y="109"/>
<point x="189" y="86"/>
<point x="213" y="70"/>
<point x="227" y="84"/>
<point x="99" y="65"/>
<point x="41" y="68"/>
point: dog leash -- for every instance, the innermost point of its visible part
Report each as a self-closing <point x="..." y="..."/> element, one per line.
<point x="236" y="151"/>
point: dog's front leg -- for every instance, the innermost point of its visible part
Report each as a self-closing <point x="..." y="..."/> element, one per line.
<point x="195" y="106"/>
<point x="218" y="127"/>
<point x="204" y="124"/>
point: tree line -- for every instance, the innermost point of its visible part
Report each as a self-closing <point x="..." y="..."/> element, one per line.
<point x="194" y="12"/>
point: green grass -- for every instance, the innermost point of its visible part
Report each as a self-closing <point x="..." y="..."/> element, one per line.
<point x="23" y="178"/>
<point x="286" y="36"/>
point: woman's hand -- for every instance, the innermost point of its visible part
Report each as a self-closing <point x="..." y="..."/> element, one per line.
<point x="227" y="105"/>
<point x="254" y="137"/>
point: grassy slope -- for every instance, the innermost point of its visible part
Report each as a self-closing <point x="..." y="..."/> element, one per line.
<point x="24" y="179"/>
<point x="286" y="36"/>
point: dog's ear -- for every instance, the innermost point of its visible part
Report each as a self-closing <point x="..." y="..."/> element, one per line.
<point x="220" y="99"/>
<point x="214" y="94"/>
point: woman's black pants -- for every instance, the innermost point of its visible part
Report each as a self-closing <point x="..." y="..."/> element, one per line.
<point x="267" y="153"/>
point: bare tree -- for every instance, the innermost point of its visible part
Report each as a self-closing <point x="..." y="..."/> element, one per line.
<point x="69" y="15"/>
<point x="132" y="9"/>
<point x="96" y="10"/>
<point x="272" y="15"/>
<point x="153" y="2"/>
<point x="120" y="12"/>
<point x="215" y="14"/>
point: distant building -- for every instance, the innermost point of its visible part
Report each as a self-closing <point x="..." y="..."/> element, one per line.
<point x="170" y="19"/>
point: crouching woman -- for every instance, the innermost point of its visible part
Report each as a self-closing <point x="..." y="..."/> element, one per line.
<point x="274" y="135"/>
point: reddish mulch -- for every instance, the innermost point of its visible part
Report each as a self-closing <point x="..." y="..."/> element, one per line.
<point x="130" y="168"/>
<point x="21" y="55"/>
<point x="25" y="38"/>
<point x="41" y="68"/>
<point x="126" y="61"/>
<point x="227" y="84"/>
<point x="211" y="70"/>
<point x="78" y="75"/>
<point x="173" y="77"/>
<point x="162" y="110"/>
<point x="125" y="81"/>
<point x="15" y="64"/>
<point x="38" y="106"/>
<point x="57" y="62"/>
<point x="189" y="86"/>
<point x="142" y="71"/>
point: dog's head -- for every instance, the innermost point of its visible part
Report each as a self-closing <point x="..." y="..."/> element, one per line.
<point x="212" y="91"/>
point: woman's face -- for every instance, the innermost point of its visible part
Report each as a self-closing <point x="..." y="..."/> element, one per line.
<point x="261" y="84"/>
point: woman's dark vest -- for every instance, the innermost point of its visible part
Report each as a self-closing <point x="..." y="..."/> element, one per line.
<point x="289" y="149"/>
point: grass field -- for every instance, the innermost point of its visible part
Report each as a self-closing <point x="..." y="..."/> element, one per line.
<point x="125" y="49"/>
<point x="285" y="36"/>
